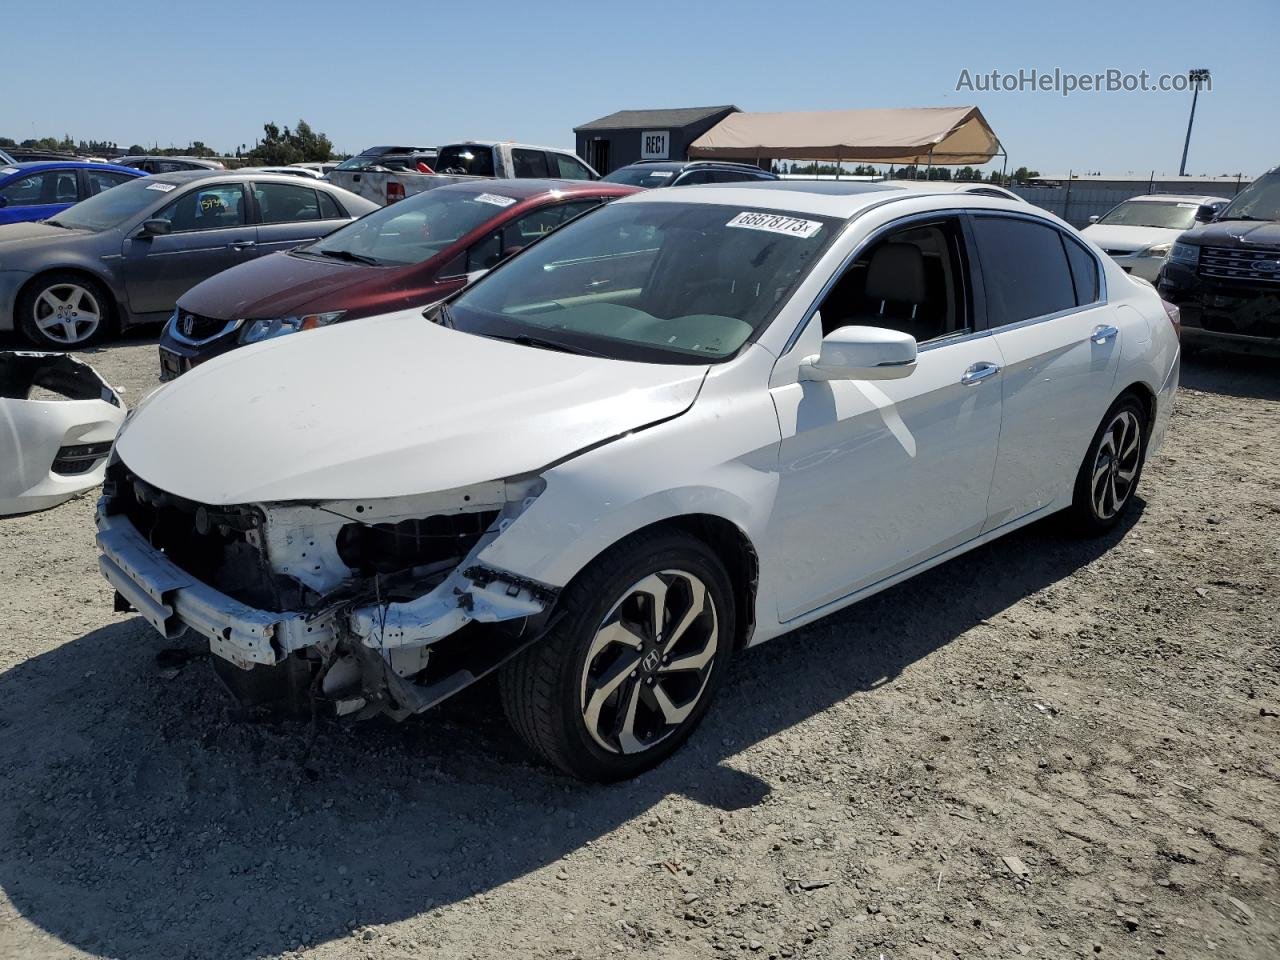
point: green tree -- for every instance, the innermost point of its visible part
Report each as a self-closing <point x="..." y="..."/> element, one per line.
<point x="282" y="146"/>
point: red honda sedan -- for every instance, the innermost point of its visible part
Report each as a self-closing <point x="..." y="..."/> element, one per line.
<point x="413" y="253"/>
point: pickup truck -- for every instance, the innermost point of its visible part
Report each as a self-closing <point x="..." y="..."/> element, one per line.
<point x="460" y="162"/>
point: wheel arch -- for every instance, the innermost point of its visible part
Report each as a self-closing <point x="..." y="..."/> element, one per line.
<point x="1142" y="391"/>
<point x="116" y="306"/>
<point x="731" y="544"/>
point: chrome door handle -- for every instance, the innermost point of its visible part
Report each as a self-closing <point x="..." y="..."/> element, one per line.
<point x="242" y="244"/>
<point x="1104" y="333"/>
<point x="979" y="372"/>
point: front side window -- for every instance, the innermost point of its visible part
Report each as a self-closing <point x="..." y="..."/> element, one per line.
<point x="100" y="180"/>
<point x="1152" y="213"/>
<point x="206" y="208"/>
<point x="414" y="229"/>
<point x="675" y="283"/>
<point x="569" y="168"/>
<point x="529" y="163"/>
<point x="913" y="280"/>
<point x="286" y="203"/>
<point x="1025" y="267"/>
<point x="48" y="186"/>
<point x="465" y="160"/>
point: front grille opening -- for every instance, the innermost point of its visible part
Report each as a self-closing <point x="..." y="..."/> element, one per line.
<point x="438" y="542"/>
<point x="210" y="543"/>
<point x="80" y="458"/>
<point x="1259" y="265"/>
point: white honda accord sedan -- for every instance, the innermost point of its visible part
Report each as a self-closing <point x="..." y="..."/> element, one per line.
<point x="685" y="423"/>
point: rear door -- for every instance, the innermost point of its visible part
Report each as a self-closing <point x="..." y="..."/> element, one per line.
<point x="210" y="231"/>
<point x="1061" y="347"/>
<point x="291" y="214"/>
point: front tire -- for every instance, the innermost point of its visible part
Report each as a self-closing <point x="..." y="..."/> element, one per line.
<point x="64" y="311"/>
<point x="1109" y="475"/>
<point x="629" y="669"/>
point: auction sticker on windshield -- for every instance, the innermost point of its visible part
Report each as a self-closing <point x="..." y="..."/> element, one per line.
<point x="772" y="222"/>
<point x="8" y="170"/>
<point x="162" y="187"/>
<point x="495" y="199"/>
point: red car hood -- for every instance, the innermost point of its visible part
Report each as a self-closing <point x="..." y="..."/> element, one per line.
<point x="282" y="284"/>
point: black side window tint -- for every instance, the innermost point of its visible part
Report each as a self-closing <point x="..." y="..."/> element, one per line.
<point x="1084" y="271"/>
<point x="529" y="163"/>
<point x="329" y="209"/>
<point x="1025" y="268"/>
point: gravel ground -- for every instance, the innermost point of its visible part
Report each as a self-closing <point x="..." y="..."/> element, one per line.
<point x="1046" y="748"/>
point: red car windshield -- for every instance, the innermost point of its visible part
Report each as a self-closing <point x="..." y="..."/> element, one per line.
<point x="416" y="229"/>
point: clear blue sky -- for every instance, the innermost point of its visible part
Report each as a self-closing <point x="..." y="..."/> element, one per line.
<point x="381" y="72"/>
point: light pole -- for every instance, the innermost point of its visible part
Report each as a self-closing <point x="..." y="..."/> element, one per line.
<point x="1196" y="77"/>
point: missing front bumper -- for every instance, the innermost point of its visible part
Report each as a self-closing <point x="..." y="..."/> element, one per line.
<point x="390" y="640"/>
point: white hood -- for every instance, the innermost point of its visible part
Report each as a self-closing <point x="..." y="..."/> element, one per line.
<point x="384" y="407"/>
<point x="1128" y="239"/>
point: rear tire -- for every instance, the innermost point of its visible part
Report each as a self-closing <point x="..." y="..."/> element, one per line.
<point x="630" y="667"/>
<point x="1109" y="475"/>
<point x="65" y="310"/>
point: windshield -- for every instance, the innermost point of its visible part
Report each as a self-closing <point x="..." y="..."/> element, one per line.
<point x="669" y="283"/>
<point x="110" y="208"/>
<point x="641" y="177"/>
<point x="467" y="159"/>
<point x="1258" y="201"/>
<point x="1173" y="215"/>
<point x="415" y="229"/>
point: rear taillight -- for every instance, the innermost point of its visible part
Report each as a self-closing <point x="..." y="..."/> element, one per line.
<point x="1174" y="314"/>
<point x="395" y="191"/>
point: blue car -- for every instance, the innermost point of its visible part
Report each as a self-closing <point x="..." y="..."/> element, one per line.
<point x="38" y="190"/>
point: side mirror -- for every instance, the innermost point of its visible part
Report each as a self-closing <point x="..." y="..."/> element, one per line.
<point x="1095" y="218"/>
<point x="1206" y="212"/>
<point x="862" y="353"/>
<point x="156" y="228"/>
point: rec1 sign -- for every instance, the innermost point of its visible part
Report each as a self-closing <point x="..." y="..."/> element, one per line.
<point x="655" y="145"/>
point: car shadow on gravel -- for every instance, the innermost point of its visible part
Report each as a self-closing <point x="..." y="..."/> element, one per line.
<point x="1233" y="374"/>
<point x="139" y="818"/>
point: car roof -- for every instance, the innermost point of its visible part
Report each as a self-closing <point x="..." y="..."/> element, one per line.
<point x="180" y="177"/>
<point x="839" y="199"/>
<point x="33" y="166"/>
<point x="528" y="187"/>
<point x="1178" y="198"/>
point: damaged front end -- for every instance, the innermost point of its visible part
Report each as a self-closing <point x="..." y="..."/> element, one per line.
<point x="368" y="607"/>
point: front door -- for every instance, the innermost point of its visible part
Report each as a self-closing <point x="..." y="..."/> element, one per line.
<point x="878" y="476"/>
<point x="209" y="232"/>
<point x="1061" y="345"/>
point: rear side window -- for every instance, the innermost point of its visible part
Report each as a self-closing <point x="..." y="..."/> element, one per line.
<point x="529" y="163"/>
<point x="100" y="180"/>
<point x="1025" y="269"/>
<point x="49" y="186"/>
<point x="329" y="209"/>
<point x="285" y="203"/>
<point x="1084" y="271"/>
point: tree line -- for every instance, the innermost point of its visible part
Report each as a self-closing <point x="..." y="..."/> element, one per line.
<point x="912" y="172"/>
<point x="278" y="146"/>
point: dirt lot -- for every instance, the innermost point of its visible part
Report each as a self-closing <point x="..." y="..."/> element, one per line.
<point x="1046" y="748"/>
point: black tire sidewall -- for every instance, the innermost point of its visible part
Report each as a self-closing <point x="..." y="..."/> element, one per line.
<point x="626" y="566"/>
<point x="1082" y="500"/>
<point x="26" y="310"/>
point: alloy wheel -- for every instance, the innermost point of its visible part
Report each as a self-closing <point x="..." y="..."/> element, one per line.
<point x="1115" y="466"/>
<point x="649" y="662"/>
<point x="67" y="313"/>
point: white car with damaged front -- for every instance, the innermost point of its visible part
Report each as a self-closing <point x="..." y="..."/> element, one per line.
<point x="686" y="423"/>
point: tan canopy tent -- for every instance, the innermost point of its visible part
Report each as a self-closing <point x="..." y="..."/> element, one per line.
<point x="943" y="135"/>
